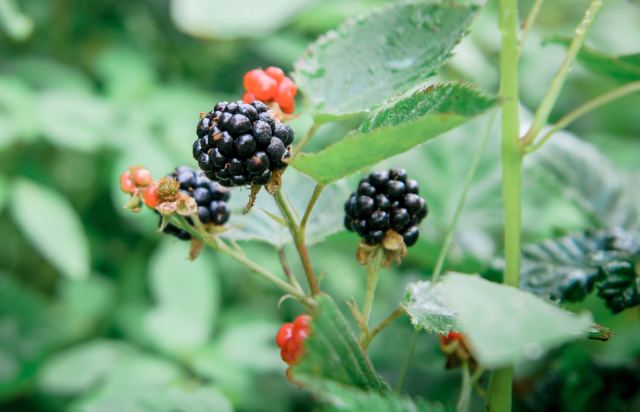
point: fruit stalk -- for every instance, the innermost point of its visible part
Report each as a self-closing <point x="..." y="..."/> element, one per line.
<point x="373" y="268"/>
<point x="499" y="396"/>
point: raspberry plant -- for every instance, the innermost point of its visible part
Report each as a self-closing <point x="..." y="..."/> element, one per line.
<point x="375" y="77"/>
<point x="248" y="143"/>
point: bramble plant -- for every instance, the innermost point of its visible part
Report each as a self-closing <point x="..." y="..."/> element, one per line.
<point x="376" y="77"/>
<point x="248" y="144"/>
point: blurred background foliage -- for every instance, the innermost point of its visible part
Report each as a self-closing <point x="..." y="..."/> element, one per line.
<point x="99" y="312"/>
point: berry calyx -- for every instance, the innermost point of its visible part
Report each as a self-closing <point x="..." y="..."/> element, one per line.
<point x="291" y="337"/>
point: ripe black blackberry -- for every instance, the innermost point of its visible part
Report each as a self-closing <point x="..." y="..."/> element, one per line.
<point x="386" y="200"/>
<point x="620" y="285"/>
<point x="210" y="196"/>
<point x="241" y="144"/>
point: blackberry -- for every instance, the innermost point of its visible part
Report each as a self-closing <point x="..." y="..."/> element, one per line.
<point x="209" y="195"/>
<point x="620" y="285"/>
<point x="386" y="200"/>
<point x="240" y="144"/>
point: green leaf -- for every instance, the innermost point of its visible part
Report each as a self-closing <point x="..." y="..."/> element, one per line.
<point x="12" y="21"/>
<point x="187" y="297"/>
<point x="621" y="68"/>
<point x="332" y="352"/>
<point x="341" y="398"/>
<point x="54" y="228"/>
<point x="567" y="268"/>
<point x="84" y="304"/>
<point x="26" y="335"/>
<point x="248" y="18"/>
<point x="297" y="188"/>
<point x="505" y="324"/>
<point x="4" y="192"/>
<point x="396" y="128"/>
<point x="588" y="178"/>
<point x="427" y="307"/>
<point x="16" y="107"/>
<point x="381" y="55"/>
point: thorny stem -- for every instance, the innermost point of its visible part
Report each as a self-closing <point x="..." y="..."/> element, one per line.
<point x="583" y="109"/>
<point x="549" y="100"/>
<point x="528" y="24"/>
<point x="499" y="397"/>
<point x="299" y="239"/>
<point x="307" y="136"/>
<point x="221" y="246"/>
<point x="366" y="340"/>
<point x="448" y="240"/>
<point x="373" y="268"/>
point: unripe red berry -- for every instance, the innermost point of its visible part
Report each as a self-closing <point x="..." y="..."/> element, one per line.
<point x="264" y="88"/>
<point x="150" y="196"/>
<point x="302" y="321"/>
<point x="251" y="79"/>
<point x="142" y="177"/>
<point x="450" y="337"/>
<point x="290" y="85"/>
<point x="275" y="73"/>
<point x="126" y="183"/>
<point x="248" y="97"/>
<point x="284" y="334"/>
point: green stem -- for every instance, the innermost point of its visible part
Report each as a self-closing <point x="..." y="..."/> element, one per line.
<point x="549" y="100"/>
<point x="528" y="24"/>
<point x="222" y="247"/>
<point x="299" y="241"/>
<point x="307" y="136"/>
<point x="312" y="202"/>
<point x="448" y="240"/>
<point x="465" y="389"/>
<point x="405" y="366"/>
<point x="583" y="109"/>
<point x="499" y="396"/>
<point x="366" y="340"/>
<point x="373" y="268"/>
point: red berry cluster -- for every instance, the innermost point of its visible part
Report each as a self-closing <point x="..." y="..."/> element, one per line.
<point x="451" y="337"/>
<point x="138" y="182"/>
<point x="270" y="85"/>
<point x="290" y="338"/>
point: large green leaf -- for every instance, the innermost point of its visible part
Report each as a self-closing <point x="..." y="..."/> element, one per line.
<point x="396" y="128"/>
<point x="297" y="188"/>
<point x="26" y="335"/>
<point x="342" y="398"/>
<point x="247" y="18"/>
<point x="620" y="68"/>
<point x="332" y="352"/>
<point x="505" y="324"/>
<point x="427" y="307"/>
<point x="54" y="228"/>
<point x="187" y="296"/>
<point x="381" y="55"/>
<point x="583" y="174"/>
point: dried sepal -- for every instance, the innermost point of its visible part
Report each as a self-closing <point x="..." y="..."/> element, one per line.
<point x="275" y="183"/>
<point x="255" y="189"/>
<point x="195" y="248"/>
<point x="168" y="190"/>
<point x="186" y="205"/>
<point x="393" y="248"/>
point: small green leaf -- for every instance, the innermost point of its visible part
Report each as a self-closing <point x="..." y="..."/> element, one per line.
<point x="54" y="228"/>
<point x="187" y="296"/>
<point x="332" y="352"/>
<point x="342" y="398"/>
<point x="427" y="306"/>
<point x="396" y="128"/>
<point x="247" y="18"/>
<point x="381" y="55"/>
<point x="621" y="68"/>
<point x="607" y="194"/>
<point x="505" y="324"/>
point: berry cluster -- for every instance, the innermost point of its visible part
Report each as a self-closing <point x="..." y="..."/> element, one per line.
<point x="290" y="338"/>
<point x="620" y="287"/>
<point x="270" y="85"/>
<point x="210" y="197"/>
<point x="386" y="200"/>
<point x="240" y="144"/>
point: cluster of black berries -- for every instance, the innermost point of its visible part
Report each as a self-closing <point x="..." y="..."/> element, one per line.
<point x="210" y="197"/>
<point x="386" y="200"/>
<point x="240" y="144"/>
<point x="620" y="285"/>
